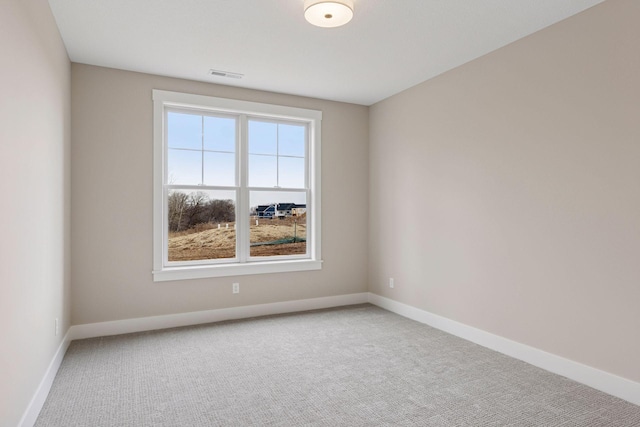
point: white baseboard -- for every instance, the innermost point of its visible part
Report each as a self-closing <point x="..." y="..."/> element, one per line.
<point x="37" y="401"/>
<point x="126" y="326"/>
<point x="600" y="380"/>
<point x="595" y="378"/>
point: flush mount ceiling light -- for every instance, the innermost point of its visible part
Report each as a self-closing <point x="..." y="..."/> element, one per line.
<point x="328" y="14"/>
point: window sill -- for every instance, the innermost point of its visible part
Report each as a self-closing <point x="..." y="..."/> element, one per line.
<point x="202" y="272"/>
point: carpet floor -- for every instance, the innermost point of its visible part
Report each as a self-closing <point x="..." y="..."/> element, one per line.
<point x="352" y="366"/>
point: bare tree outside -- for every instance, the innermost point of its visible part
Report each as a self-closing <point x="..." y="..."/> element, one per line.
<point x="188" y="210"/>
<point x="177" y="202"/>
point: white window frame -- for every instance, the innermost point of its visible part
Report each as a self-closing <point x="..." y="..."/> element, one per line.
<point x="163" y="100"/>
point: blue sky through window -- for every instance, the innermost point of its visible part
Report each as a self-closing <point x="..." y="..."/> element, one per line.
<point x="201" y="151"/>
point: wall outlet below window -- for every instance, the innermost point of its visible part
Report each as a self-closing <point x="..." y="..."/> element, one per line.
<point x="236" y="288"/>
<point x="391" y="283"/>
<point x="57" y="327"/>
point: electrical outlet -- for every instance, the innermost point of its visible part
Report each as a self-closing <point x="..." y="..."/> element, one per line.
<point x="391" y="283"/>
<point x="236" y="288"/>
<point x="57" y="328"/>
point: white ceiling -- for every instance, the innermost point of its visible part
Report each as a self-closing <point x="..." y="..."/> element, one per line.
<point x="389" y="46"/>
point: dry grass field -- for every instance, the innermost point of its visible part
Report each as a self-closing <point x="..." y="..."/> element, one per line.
<point x="206" y="241"/>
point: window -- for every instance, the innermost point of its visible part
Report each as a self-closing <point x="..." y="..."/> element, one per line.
<point x="236" y="187"/>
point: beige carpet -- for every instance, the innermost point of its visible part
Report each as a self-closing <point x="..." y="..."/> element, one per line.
<point x="354" y="366"/>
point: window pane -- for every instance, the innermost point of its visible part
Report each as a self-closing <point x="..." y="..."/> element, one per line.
<point x="263" y="171"/>
<point x="220" y="134"/>
<point x="184" y="167"/>
<point x="201" y="225"/>
<point x="278" y="223"/>
<point x="291" y="172"/>
<point x="184" y="130"/>
<point x="263" y="137"/>
<point x="219" y="169"/>
<point x="291" y="140"/>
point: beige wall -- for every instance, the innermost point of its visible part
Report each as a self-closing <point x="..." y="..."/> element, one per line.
<point x="504" y="194"/>
<point x="112" y="195"/>
<point x="34" y="184"/>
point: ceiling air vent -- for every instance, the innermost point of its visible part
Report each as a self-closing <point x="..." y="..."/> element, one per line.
<point x="229" y="74"/>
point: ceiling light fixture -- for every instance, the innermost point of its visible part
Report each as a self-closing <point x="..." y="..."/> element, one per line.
<point x="328" y="14"/>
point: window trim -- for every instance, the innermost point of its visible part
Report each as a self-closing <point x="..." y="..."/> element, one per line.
<point x="167" y="99"/>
